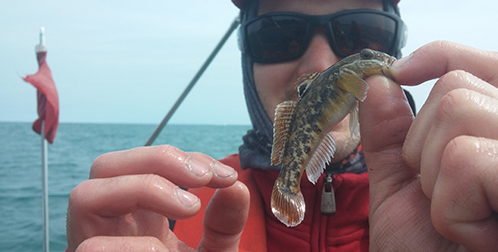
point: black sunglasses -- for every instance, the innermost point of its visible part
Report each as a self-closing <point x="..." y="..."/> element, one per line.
<point x="284" y="36"/>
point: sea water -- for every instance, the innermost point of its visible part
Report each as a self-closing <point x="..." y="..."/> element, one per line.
<point x="69" y="161"/>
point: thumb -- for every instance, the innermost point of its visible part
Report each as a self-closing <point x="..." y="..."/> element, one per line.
<point x="225" y="219"/>
<point x="385" y="117"/>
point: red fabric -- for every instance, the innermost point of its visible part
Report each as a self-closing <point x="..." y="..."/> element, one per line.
<point x="347" y="230"/>
<point x="240" y="3"/>
<point x="47" y="97"/>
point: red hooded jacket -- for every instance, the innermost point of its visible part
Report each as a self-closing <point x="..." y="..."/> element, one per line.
<point x="347" y="230"/>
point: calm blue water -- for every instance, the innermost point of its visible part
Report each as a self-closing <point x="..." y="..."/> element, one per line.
<point x="70" y="157"/>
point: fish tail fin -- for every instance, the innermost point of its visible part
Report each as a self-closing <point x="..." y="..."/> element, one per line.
<point x="286" y="205"/>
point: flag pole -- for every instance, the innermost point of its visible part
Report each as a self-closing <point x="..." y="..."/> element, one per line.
<point x="47" y="122"/>
<point x="154" y="135"/>
<point x="44" y="147"/>
<point x="44" y="151"/>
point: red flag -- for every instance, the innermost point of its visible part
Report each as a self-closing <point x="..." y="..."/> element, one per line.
<point x="47" y="97"/>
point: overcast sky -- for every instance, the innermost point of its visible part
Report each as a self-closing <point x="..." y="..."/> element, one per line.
<point x="128" y="61"/>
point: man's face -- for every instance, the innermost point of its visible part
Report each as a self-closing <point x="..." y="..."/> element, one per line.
<point x="275" y="82"/>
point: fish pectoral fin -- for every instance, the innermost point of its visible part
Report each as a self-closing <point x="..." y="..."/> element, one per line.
<point x="283" y="116"/>
<point x="355" y="85"/>
<point x="304" y="81"/>
<point x="354" y="123"/>
<point x="322" y="156"/>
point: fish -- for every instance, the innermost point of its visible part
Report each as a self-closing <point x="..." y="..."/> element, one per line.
<point x="301" y="132"/>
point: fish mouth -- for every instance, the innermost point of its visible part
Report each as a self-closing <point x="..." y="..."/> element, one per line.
<point x="387" y="70"/>
<point x="390" y="61"/>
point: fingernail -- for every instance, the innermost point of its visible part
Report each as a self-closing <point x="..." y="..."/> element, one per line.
<point x="187" y="199"/>
<point x="196" y="167"/>
<point x="401" y="62"/>
<point x="222" y="171"/>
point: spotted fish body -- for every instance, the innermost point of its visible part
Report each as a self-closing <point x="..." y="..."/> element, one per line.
<point x="302" y="137"/>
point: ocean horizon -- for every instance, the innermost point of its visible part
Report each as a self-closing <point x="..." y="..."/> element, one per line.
<point x="69" y="159"/>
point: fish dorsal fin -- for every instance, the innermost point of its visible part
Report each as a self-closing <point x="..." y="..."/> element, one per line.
<point x="322" y="156"/>
<point x="355" y="85"/>
<point x="304" y="81"/>
<point x="283" y="115"/>
<point x="354" y="124"/>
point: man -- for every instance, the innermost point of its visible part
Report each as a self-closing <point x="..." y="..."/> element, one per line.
<point x="430" y="184"/>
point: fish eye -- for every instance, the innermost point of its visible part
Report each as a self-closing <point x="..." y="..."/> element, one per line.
<point x="367" y="54"/>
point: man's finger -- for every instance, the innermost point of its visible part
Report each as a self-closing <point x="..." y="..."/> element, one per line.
<point x="417" y="135"/>
<point x="132" y="205"/>
<point x="461" y="112"/>
<point x="438" y="58"/>
<point x="385" y="117"/>
<point x="121" y="244"/>
<point x="113" y="197"/>
<point x="184" y="169"/>
<point x="464" y="200"/>
<point x="225" y="219"/>
<point x="395" y="194"/>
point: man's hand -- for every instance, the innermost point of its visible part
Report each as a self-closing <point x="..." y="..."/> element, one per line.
<point x="433" y="178"/>
<point x="125" y="204"/>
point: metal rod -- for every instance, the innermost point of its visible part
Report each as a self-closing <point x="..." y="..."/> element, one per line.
<point x="44" y="152"/>
<point x="44" y="174"/>
<point x="154" y="135"/>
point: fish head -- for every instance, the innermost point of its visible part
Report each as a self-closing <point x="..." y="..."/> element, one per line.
<point x="371" y="62"/>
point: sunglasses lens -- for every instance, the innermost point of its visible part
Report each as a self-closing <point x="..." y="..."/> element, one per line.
<point x="276" y="38"/>
<point x="282" y="37"/>
<point x="356" y="31"/>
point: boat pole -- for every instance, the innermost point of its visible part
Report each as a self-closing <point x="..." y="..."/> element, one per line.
<point x="44" y="153"/>
<point x="154" y="135"/>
